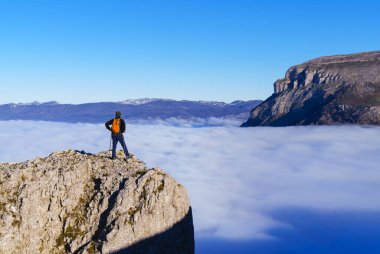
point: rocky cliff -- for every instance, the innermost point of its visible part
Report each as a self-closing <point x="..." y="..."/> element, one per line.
<point x="342" y="89"/>
<point x="73" y="202"/>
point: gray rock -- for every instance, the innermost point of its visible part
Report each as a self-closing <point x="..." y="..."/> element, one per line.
<point x="73" y="202"/>
<point x="343" y="89"/>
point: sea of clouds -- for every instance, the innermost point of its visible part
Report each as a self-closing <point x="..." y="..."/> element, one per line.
<point x="236" y="177"/>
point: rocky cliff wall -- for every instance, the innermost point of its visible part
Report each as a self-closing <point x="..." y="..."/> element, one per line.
<point x="73" y="202"/>
<point x="343" y="89"/>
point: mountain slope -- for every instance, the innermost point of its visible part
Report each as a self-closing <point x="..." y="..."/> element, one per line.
<point x="132" y="109"/>
<point x="72" y="202"/>
<point x="342" y="89"/>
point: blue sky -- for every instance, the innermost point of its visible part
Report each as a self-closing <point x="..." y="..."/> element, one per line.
<point x="86" y="51"/>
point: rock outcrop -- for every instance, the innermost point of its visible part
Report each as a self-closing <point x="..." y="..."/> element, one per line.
<point x="73" y="202"/>
<point x="343" y="89"/>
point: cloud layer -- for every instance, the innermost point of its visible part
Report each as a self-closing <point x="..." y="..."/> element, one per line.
<point x="236" y="177"/>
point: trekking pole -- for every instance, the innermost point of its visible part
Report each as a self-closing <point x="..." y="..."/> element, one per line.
<point x="110" y="142"/>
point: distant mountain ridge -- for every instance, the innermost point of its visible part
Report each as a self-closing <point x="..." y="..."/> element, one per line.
<point x="132" y="109"/>
<point x="341" y="89"/>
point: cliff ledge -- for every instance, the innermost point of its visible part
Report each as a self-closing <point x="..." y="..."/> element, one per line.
<point x="74" y="202"/>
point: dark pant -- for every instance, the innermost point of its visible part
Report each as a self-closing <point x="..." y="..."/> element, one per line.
<point x="118" y="138"/>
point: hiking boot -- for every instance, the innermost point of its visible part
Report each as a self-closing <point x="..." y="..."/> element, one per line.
<point x="128" y="157"/>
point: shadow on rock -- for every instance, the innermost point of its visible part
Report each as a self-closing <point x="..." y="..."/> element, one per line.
<point x="178" y="239"/>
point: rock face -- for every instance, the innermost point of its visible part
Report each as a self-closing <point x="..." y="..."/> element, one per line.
<point x="343" y="89"/>
<point x="73" y="202"/>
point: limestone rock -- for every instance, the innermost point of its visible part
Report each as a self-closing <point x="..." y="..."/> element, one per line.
<point x="343" y="89"/>
<point x="73" y="202"/>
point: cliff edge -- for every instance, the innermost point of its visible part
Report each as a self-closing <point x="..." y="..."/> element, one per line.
<point x="342" y="89"/>
<point x="74" y="202"/>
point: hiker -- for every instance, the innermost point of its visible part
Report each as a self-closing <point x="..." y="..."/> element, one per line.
<point x="117" y="128"/>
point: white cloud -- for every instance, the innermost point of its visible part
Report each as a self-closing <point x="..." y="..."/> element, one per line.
<point x="235" y="176"/>
<point x="192" y="122"/>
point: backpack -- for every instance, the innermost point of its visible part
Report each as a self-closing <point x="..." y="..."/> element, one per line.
<point x="116" y="126"/>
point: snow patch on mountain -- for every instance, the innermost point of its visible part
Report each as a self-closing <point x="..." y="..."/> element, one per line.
<point x="141" y="101"/>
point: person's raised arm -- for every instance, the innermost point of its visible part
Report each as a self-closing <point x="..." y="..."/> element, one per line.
<point x="108" y="124"/>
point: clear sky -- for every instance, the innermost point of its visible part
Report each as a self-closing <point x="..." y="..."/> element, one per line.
<point x="90" y="50"/>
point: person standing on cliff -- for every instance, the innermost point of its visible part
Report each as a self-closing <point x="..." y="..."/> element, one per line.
<point x="117" y="128"/>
